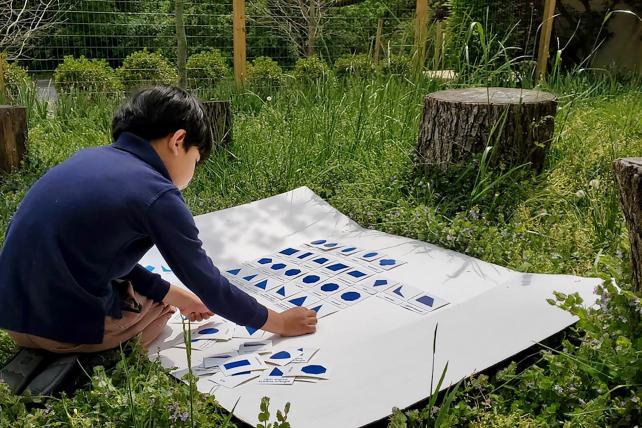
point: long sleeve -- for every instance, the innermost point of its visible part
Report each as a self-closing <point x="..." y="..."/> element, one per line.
<point x="147" y="283"/>
<point x="172" y="228"/>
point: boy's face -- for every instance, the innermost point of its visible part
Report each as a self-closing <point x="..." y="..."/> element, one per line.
<point x="180" y="163"/>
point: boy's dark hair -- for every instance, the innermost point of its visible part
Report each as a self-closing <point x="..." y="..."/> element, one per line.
<point x="160" y="110"/>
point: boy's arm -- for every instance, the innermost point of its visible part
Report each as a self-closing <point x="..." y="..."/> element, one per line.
<point x="171" y="227"/>
<point x="147" y="283"/>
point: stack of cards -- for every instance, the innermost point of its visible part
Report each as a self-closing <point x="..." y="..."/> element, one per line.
<point x="282" y="366"/>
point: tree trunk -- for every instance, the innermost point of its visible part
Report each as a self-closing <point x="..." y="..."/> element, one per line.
<point x="13" y="137"/>
<point x="628" y="172"/>
<point x="219" y="114"/>
<point x="459" y="123"/>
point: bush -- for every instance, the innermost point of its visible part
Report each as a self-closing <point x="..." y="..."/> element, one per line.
<point x="397" y="64"/>
<point x="206" y="68"/>
<point x="15" y="78"/>
<point x="311" y="68"/>
<point x="357" y="65"/>
<point x="145" y="68"/>
<point x="91" y="75"/>
<point x="265" y="73"/>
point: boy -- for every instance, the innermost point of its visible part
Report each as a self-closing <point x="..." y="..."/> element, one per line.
<point x="69" y="278"/>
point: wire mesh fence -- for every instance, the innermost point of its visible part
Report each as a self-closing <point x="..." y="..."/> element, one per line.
<point x="110" y="45"/>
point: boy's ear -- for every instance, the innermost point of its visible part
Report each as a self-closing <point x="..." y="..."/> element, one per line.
<point x="176" y="141"/>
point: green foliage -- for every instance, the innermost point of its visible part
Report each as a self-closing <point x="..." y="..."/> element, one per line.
<point x="354" y="65"/>
<point x="144" y="68"/>
<point x="89" y="75"/>
<point x="351" y="141"/>
<point x="397" y="64"/>
<point x="311" y="68"/>
<point x="514" y="22"/>
<point x="15" y="78"/>
<point x="264" y="74"/>
<point x="206" y="68"/>
<point x="138" y="393"/>
<point x="281" y="416"/>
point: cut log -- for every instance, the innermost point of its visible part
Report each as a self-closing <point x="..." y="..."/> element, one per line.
<point x="13" y="137"/>
<point x="459" y="123"/>
<point x="628" y="172"/>
<point x="219" y="114"/>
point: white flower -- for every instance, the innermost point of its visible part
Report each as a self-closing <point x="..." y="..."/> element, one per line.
<point x="580" y="193"/>
<point x="268" y="99"/>
<point x="595" y="183"/>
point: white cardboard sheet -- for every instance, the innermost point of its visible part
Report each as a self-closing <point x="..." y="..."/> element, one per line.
<point x="380" y="354"/>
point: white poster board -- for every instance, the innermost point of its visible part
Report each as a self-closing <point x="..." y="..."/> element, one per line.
<point x="380" y="354"/>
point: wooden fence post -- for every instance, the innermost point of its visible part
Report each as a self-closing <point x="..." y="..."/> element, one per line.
<point x="545" y="39"/>
<point x="421" y="31"/>
<point x="240" y="48"/>
<point x="181" y="44"/>
<point x="377" y="46"/>
<point x="13" y="137"/>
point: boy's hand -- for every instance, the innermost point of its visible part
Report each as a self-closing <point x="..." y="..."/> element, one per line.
<point x="293" y="322"/>
<point x="188" y="303"/>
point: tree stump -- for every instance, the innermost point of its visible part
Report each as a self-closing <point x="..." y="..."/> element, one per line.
<point x="219" y="114"/>
<point x="628" y="172"/>
<point x="459" y="123"/>
<point x="13" y="137"/>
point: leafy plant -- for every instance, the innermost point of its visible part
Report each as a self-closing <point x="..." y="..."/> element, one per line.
<point x="206" y="68"/>
<point x="88" y="75"/>
<point x="311" y="68"/>
<point x="354" y="65"/>
<point x="145" y="68"/>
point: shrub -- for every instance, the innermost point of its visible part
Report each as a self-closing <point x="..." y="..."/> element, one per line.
<point x="357" y="65"/>
<point x="15" y="78"/>
<point x="206" y="68"/>
<point x="311" y="68"/>
<point x="91" y="75"/>
<point x="264" y="72"/>
<point x="397" y="64"/>
<point x="145" y="68"/>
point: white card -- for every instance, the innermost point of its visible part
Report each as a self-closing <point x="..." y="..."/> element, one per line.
<point x="216" y="359"/>
<point x="275" y="377"/>
<point x="324" y="244"/>
<point x="234" y="380"/>
<point x="213" y="331"/>
<point x="247" y="332"/>
<point x="356" y="274"/>
<point x="197" y="344"/>
<point x="260" y="346"/>
<point x="303" y="298"/>
<point x="370" y="255"/>
<point x="242" y="363"/>
<point x="319" y="371"/>
<point x="328" y="288"/>
<point x="306" y="354"/>
<point x="336" y="268"/>
<point x="376" y="284"/>
<point x="303" y="256"/>
<point x="197" y="371"/>
<point x="311" y="279"/>
<point x="319" y="261"/>
<point x="285" y="290"/>
<point x="349" y="297"/>
<point x="387" y="263"/>
<point x="424" y="303"/>
<point x="292" y="271"/>
<point x="401" y="293"/>
<point x="324" y="308"/>
<point x="283" y="356"/>
<point x="266" y="284"/>
<point x="289" y="252"/>
<point x="348" y="250"/>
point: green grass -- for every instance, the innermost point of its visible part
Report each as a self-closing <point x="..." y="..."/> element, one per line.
<point x="352" y="142"/>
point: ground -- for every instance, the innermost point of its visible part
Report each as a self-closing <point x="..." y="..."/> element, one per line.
<point x="352" y="141"/>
